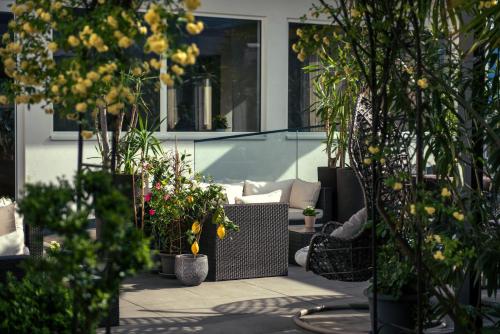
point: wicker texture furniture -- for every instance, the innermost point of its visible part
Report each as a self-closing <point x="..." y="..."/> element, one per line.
<point x="298" y="237"/>
<point x="33" y="238"/>
<point x="337" y="259"/>
<point x="259" y="249"/>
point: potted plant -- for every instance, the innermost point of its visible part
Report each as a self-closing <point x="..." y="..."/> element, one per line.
<point x="220" y="123"/>
<point x="205" y="207"/>
<point x="309" y="217"/>
<point x="336" y="86"/>
<point x="397" y="291"/>
<point x="166" y="206"/>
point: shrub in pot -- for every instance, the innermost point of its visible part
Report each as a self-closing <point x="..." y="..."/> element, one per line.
<point x="177" y="208"/>
<point x="396" y="298"/>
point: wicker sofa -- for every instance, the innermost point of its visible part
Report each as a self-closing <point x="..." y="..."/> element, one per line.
<point x="34" y="241"/>
<point x="259" y="249"/>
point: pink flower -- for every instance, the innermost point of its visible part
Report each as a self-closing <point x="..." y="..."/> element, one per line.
<point x="158" y="186"/>
<point x="152" y="212"/>
<point x="147" y="198"/>
<point x="166" y="197"/>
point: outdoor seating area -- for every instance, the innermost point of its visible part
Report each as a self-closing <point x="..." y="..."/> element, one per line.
<point x="268" y="167"/>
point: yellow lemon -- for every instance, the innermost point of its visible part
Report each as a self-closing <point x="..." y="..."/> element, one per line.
<point x="221" y="232"/>
<point x="195" y="248"/>
<point x="196" y="227"/>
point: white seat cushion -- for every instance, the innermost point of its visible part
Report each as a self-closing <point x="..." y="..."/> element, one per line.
<point x="272" y="197"/>
<point x="296" y="214"/>
<point x="257" y="188"/>
<point x="351" y="228"/>
<point x="301" y="256"/>
<point x="13" y="243"/>
<point x="304" y="194"/>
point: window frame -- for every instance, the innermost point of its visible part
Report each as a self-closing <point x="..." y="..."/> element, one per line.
<point x="165" y="135"/>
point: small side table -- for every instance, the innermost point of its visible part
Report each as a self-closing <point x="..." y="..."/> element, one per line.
<point x="299" y="237"/>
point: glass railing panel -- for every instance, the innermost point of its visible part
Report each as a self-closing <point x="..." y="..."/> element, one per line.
<point x="265" y="156"/>
<point x="259" y="157"/>
<point x="311" y="154"/>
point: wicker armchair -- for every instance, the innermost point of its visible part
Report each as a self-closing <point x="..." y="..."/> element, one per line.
<point x="337" y="259"/>
<point x="259" y="249"/>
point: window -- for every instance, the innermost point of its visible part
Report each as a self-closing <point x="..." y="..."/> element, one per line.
<point x="300" y="89"/>
<point x="223" y="89"/>
<point x="7" y="130"/>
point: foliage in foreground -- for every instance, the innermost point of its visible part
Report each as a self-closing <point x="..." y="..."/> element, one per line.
<point x="69" y="289"/>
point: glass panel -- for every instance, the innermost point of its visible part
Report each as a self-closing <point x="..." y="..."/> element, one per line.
<point x="300" y="90"/>
<point x="7" y="131"/>
<point x="261" y="157"/>
<point x="222" y="91"/>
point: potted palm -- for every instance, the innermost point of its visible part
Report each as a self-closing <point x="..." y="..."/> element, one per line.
<point x="336" y="86"/>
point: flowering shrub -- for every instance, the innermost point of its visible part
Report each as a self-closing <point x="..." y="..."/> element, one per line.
<point x="179" y="204"/>
<point x="103" y="39"/>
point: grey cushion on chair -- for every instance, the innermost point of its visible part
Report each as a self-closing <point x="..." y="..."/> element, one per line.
<point x="351" y="228"/>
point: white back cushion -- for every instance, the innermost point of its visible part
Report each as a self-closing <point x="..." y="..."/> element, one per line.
<point x="304" y="194"/>
<point x="265" y="187"/>
<point x="13" y="243"/>
<point x="232" y="191"/>
<point x="272" y="197"/>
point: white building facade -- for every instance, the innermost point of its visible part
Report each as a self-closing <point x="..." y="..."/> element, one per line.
<point x="44" y="151"/>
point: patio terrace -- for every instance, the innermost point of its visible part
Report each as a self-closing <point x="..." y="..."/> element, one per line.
<point x="151" y="304"/>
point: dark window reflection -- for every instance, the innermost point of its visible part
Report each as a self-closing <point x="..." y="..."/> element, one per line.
<point x="7" y="130"/>
<point x="222" y="91"/>
<point x="300" y="93"/>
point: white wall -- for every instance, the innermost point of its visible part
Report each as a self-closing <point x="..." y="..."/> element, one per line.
<point x="43" y="155"/>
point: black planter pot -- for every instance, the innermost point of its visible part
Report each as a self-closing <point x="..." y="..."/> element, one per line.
<point x="349" y="194"/>
<point x="328" y="178"/>
<point x="395" y="315"/>
<point x="124" y="183"/>
<point x="167" y="265"/>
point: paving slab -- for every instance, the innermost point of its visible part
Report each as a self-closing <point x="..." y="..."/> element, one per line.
<point x="152" y="304"/>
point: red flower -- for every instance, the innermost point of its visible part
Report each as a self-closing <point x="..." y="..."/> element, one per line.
<point x="158" y="186"/>
<point x="152" y="212"/>
<point x="147" y="198"/>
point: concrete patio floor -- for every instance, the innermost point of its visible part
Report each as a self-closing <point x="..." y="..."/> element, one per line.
<point x="152" y="304"/>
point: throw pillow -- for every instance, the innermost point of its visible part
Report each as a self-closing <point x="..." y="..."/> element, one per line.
<point x="12" y="244"/>
<point x="351" y="228"/>
<point x="304" y="194"/>
<point x="7" y="219"/>
<point x="233" y="190"/>
<point x="257" y="188"/>
<point x="272" y="197"/>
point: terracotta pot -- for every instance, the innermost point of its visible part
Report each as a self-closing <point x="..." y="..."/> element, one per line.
<point x="309" y="222"/>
